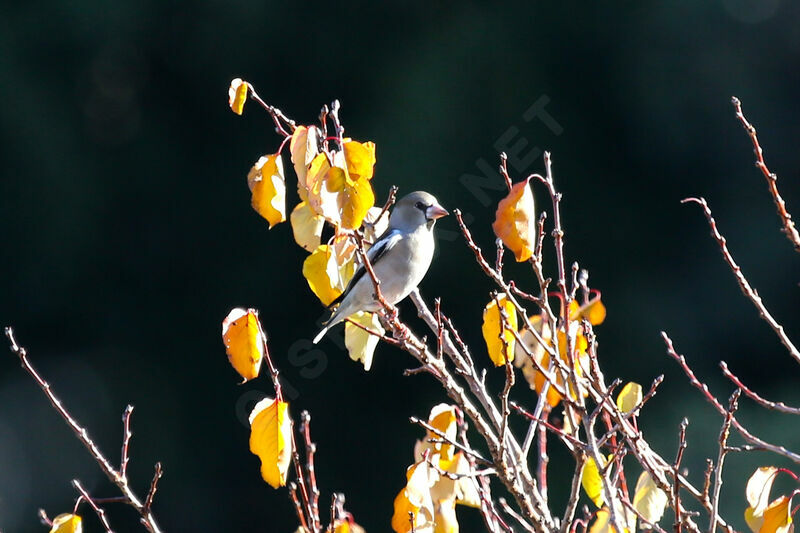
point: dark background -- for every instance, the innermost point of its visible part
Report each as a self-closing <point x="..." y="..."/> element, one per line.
<point x="127" y="234"/>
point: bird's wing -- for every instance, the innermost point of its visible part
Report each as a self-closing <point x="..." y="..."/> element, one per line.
<point x="385" y="242"/>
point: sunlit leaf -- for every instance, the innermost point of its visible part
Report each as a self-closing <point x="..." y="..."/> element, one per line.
<point x="374" y="226"/>
<point x="464" y="489"/>
<point x="594" y="311"/>
<point x="360" y="158"/>
<point x="271" y="439"/>
<point x="758" y="488"/>
<point x="237" y="95"/>
<point x="306" y="226"/>
<point x="629" y="397"/>
<point x="268" y="187"/>
<point x="778" y="516"/>
<point x="67" y="523"/>
<point x="415" y="498"/>
<point x="649" y="500"/>
<point x="515" y="221"/>
<point x="244" y="341"/>
<point x="445" y="517"/>
<point x="361" y="344"/>
<point x="501" y="350"/>
<point x="603" y="524"/>
<point x="592" y="482"/>
<point x="443" y="418"/>
<point x="327" y="274"/>
<point x="304" y="147"/>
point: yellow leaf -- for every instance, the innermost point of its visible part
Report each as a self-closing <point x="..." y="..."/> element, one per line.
<point x="515" y="221"/>
<point x="237" y="95"/>
<point x="500" y="350"/>
<point x="342" y="199"/>
<point x="271" y="439"/>
<point x="445" y="517"/>
<point x="268" y="185"/>
<point x="360" y="159"/>
<point x="594" y="311"/>
<point x="359" y="343"/>
<point x="592" y="482"/>
<point x="648" y="499"/>
<point x="629" y="397"/>
<point x="67" y="523"/>
<point x="415" y="498"/>
<point x="306" y="226"/>
<point x="758" y="488"/>
<point x="778" y="516"/>
<point x="464" y="489"/>
<point x="244" y="341"/>
<point x="326" y="274"/>
<point x="443" y="418"/>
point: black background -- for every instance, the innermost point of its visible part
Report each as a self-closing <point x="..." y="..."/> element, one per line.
<point x="127" y="234"/>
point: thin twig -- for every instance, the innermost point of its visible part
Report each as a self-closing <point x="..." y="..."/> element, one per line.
<point x="126" y="440"/>
<point x="723" y="449"/>
<point x="83" y="436"/>
<point x="702" y="387"/>
<point x="101" y="514"/>
<point x="772" y="179"/>
<point x="777" y="406"/>
<point x="676" y="469"/>
<point x="744" y="285"/>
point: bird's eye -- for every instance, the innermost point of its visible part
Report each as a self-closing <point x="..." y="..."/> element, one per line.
<point x="420" y="206"/>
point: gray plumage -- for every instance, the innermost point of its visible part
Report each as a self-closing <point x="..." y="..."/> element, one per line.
<point x="400" y="258"/>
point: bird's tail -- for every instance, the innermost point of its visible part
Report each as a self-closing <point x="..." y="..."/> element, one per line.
<point x="320" y="334"/>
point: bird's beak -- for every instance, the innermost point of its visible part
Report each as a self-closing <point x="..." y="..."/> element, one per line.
<point x="435" y="211"/>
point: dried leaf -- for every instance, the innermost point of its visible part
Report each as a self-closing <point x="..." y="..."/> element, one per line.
<point x="594" y="311"/>
<point x="649" y="500"/>
<point x="268" y="185"/>
<point x="271" y="439"/>
<point x="306" y="226"/>
<point x="343" y="201"/>
<point x="515" y="221"/>
<point x="629" y="397"/>
<point x="237" y="95"/>
<point x="500" y="350"/>
<point x="359" y="343"/>
<point x="244" y="341"/>
<point x="67" y="523"/>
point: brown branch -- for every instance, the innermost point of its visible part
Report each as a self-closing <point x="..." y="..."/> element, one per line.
<point x="126" y="440"/>
<point x="276" y="114"/>
<point x="723" y="449"/>
<point x="776" y="406"/>
<point x="310" y="471"/>
<point x="744" y="285"/>
<point x="101" y="514"/>
<point x="148" y="501"/>
<point x="83" y="436"/>
<point x="772" y="179"/>
<point x="676" y="469"/>
<point x="515" y="515"/>
<point x="703" y="388"/>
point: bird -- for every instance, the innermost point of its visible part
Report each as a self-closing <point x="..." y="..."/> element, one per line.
<point x="400" y="258"/>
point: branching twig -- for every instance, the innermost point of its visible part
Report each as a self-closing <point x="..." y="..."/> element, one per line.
<point x="83" y="436"/>
<point x="748" y="291"/>
<point x="777" y="406"/>
<point x="101" y="514"/>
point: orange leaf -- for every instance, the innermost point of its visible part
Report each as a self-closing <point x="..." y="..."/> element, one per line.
<point x="271" y="439"/>
<point x="515" y="221"/>
<point x="334" y="194"/>
<point x="237" y="95"/>
<point x="268" y="185"/>
<point x="501" y="350"/>
<point x="244" y="341"/>
<point x="778" y="516"/>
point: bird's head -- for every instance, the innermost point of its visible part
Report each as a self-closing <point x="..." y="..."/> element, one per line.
<point x="416" y="209"/>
